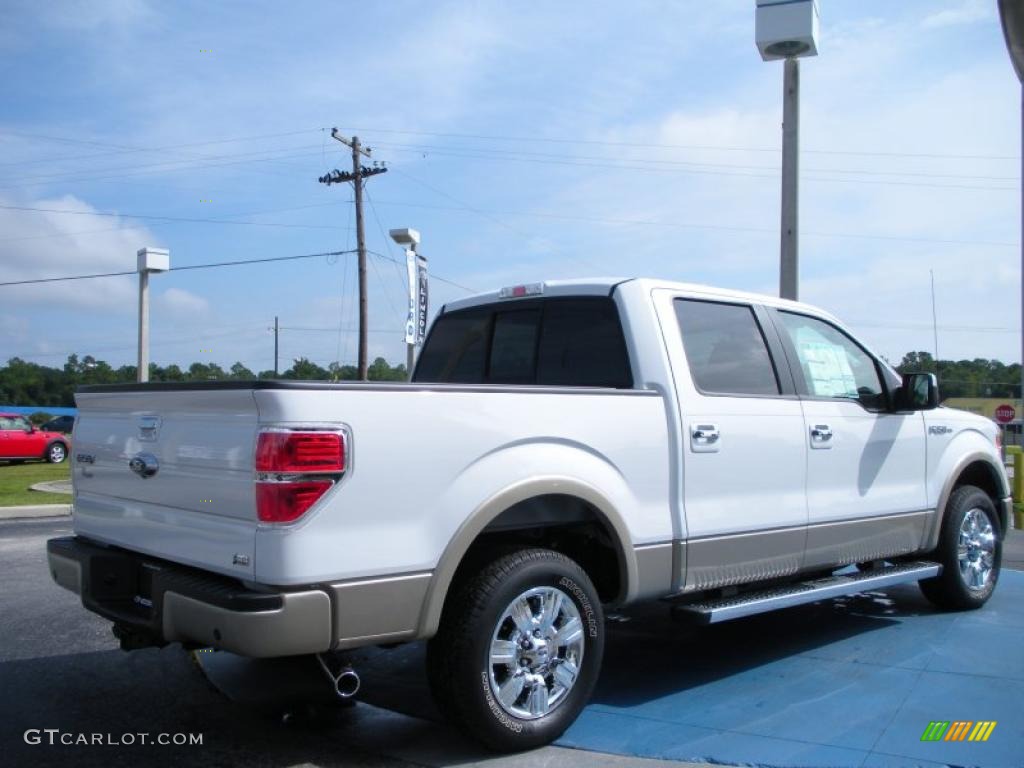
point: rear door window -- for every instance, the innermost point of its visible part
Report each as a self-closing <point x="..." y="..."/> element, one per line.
<point x="725" y="348"/>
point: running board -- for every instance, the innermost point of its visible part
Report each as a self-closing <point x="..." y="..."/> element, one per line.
<point x="750" y="603"/>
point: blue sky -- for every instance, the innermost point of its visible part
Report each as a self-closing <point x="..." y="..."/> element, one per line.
<point x="525" y="142"/>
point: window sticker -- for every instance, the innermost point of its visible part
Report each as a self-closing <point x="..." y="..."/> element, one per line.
<point x="826" y="365"/>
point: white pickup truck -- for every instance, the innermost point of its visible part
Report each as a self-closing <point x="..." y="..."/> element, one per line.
<point x="562" y="448"/>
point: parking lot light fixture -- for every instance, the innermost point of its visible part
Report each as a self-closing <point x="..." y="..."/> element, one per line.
<point x="149" y="260"/>
<point x="788" y="29"/>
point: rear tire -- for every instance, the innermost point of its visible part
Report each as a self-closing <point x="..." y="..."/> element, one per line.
<point x="518" y="650"/>
<point x="56" y="452"/>
<point x="969" y="550"/>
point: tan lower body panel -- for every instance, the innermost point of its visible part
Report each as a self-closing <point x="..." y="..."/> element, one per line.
<point x="857" y="541"/>
<point x="721" y="561"/>
<point x="378" y="610"/>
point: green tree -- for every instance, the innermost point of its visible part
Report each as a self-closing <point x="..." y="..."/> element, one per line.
<point x="239" y="371"/>
<point x="305" y="370"/>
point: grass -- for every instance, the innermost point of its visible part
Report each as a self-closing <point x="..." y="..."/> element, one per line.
<point x="15" y="480"/>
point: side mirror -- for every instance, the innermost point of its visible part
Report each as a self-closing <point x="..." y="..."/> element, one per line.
<point x="920" y="392"/>
<point x="30" y="429"/>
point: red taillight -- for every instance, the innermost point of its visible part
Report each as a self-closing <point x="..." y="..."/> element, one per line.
<point x="300" y="452"/>
<point x="294" y="468"/>
<point x="286" y="502"/>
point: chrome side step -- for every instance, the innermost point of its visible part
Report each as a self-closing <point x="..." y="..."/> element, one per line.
<point x="750" y="603"/>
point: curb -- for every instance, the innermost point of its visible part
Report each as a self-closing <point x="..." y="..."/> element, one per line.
<point x="35" y="510"/>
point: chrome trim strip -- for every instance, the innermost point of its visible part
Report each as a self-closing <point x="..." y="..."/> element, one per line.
<point x="844" y="520"/>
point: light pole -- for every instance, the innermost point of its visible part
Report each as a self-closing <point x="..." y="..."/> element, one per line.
<point x="416" y="268"/>
<point x="149" y="260"/>
<point x="1012" y="15"/>
<point x="788" y="29"/>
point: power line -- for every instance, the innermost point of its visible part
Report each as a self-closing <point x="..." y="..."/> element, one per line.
<point x="181" y="269"/>
<point x="700" y="172"/>
<point x="690" y="225"/>
<point x="709" y="147"/>
<point x="166" y="166"/>
<point x="388" y="243"/>
<point x="117" y="149"/>
<point x="489" y="216"/>
<point x="433" y="275"/>
<point x="515" y="154"/>
<point x="151" y="217"/>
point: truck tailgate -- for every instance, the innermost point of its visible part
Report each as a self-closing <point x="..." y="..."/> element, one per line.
<point x="169" y="473"/>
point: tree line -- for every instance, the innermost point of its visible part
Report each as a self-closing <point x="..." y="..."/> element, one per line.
<point x="25" y="383"/>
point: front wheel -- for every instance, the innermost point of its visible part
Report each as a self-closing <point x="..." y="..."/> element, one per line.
<point x="970" y="552"/>
<point x="519" y="650"/>
<point x="56" y="453"/>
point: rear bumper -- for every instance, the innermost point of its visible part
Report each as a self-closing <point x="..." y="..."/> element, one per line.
<point x="173" y="603"/>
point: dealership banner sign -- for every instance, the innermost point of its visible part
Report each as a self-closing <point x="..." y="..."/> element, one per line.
<point x="416" y="323"/>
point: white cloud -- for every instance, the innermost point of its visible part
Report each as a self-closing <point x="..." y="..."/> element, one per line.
<point x="178" y="302"/>
<point x="970" y="12"/>
<point x="91" y="15"/>
<point x="61" y="240"/>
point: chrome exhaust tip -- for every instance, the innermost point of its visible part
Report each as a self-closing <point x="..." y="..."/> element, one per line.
<point x="347" y="684"/>
<point x="345" y="681"/>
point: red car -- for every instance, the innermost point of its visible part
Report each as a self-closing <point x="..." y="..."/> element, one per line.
<point x="20" y="440"/>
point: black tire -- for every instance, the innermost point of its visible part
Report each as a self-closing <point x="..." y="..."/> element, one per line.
<point x="463" y="679"/>
<point x="56" y="452"/>
<point x="951" y="588"/>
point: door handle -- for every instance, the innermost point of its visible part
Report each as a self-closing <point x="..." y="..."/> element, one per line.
<point x="705" y="434"/>
<point x="821" y="433"/>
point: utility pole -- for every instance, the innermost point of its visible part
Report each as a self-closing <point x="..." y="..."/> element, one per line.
<point x="276" y="329"/>
<point x="789" y="265"/>
<point x="359" y="172"/>
<point x="935" y="322"/>
<point x="1011" y="15"/>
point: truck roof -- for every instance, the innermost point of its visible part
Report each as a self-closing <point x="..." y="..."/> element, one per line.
<point x="603" y="286"/>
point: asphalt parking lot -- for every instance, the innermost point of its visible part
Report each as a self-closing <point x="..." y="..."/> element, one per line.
<point x="61" y="669"/>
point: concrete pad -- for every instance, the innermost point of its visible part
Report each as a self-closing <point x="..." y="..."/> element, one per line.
<point x="847" y="682"/>
<point x="53" y="486"/>
<point x="35" y="510"/>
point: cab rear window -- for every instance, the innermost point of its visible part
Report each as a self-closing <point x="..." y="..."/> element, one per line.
<point x="575" y="342"/>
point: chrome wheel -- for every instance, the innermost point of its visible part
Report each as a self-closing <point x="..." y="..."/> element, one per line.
<point x="57" y="453"/>
<point x="536" y="653"/>
<point x="976" y="549"/>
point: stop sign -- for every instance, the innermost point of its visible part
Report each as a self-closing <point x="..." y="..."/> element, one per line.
<point x="1005" y="413"/>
